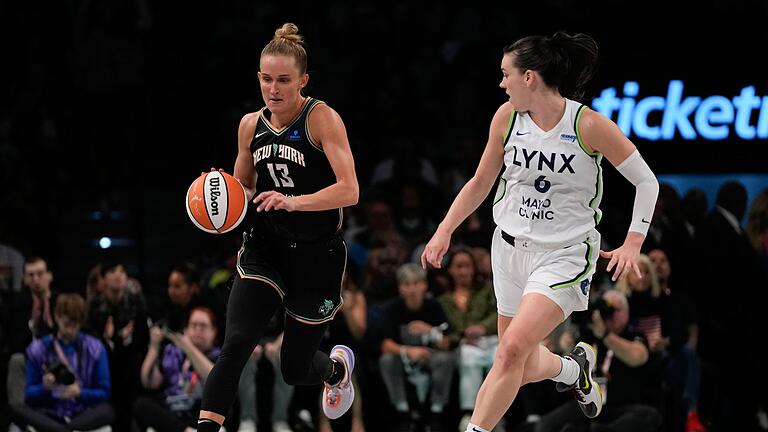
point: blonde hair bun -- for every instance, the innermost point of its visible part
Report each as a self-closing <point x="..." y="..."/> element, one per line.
<point x="289" y="32"/>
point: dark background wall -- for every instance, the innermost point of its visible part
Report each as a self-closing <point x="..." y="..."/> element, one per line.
<point x="109" y="109"/>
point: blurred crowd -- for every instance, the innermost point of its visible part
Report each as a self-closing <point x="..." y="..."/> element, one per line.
<point x="98" y="94"/>
<point x="114" y="354"/>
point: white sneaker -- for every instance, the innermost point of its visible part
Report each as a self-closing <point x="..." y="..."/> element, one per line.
<point x="247" y="425"/>
<point x="338" y="399"/>
<point x="281" y="426"/>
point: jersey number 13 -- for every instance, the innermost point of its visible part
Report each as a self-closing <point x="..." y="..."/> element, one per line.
<point x="280" y="176"/>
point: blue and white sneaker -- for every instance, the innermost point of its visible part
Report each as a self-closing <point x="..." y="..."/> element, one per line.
<point x="337" y="399"/>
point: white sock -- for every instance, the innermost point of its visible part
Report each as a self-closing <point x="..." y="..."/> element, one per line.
<point x="474" y="428"/>
<point x="569" y="371"/>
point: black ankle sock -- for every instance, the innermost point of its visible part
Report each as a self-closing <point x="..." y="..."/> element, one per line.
<point x="205" y="425"/>
<point x="337" y="374"/>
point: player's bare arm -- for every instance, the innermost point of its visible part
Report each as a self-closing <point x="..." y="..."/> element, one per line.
<point x="327" y="130"/>
<point x="244" y="170"/>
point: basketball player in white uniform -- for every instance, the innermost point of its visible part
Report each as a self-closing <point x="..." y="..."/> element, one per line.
<point x="548" y="149"/>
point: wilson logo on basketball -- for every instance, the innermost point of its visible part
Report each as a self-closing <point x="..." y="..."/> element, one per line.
<point x="215" y="193"/>
<point x="216" y="202"/>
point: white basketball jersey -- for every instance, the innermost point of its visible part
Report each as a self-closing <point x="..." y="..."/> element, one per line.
<point x="549" y="192"/>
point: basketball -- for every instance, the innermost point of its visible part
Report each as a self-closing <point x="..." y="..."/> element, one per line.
<point x="216" y="202"/>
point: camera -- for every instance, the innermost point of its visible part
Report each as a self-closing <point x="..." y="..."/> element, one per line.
<point x="62" y="374"/>
<point x="605" y="308"/>
<point x="174" y="321"/>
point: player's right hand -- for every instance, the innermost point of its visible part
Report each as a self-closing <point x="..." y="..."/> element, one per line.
<point x="436" y="249"/>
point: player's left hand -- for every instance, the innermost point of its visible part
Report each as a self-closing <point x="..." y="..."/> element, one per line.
<point x="624" y="259"/>
<point x="273" y="200"/>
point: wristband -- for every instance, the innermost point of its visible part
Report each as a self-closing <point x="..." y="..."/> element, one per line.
<point x="404" y="353"/>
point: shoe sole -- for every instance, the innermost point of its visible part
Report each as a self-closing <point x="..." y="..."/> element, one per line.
<point x="591" y="359"/>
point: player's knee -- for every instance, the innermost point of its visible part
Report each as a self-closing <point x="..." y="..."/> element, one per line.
<point x="293" y="373"/>
<point x="513" y="353"/>
<point x="240" y="342"/>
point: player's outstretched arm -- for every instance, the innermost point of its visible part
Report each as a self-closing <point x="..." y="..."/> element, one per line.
<point x="600" y="134"/>
<point x="474" y="192"/>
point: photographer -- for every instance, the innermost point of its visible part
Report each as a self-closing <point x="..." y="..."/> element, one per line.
<point x="180" y="369"/>
<point x="630" y="390"/>
<point x="67" y="376"/>
<point x="414" y="348"/>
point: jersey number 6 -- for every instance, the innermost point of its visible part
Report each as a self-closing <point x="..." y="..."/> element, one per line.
<point x="279" y="173"/>
<point x="542" y="184"/>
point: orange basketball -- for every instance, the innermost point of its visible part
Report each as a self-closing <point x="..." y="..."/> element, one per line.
<point x="216" y="202"/>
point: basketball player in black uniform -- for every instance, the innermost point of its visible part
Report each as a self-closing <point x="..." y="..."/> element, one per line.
<point x="295" y="155"/>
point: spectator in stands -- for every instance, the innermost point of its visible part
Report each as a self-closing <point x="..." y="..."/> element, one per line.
<point x="683" y="366"/>
<point x="269" y="346"/>
<point x="483" y="260"/>
<point x="179" y="368"/>
<point x="416" y="348"/>
<point x="730" y="265"/>
<point x="94" y="284"/>
<point x="694" y="210"/>
<point x="647" y="305"/>
<point x="30" y="317"/>
<point x="405" y="166"/>
<point x="380" y="227"/>
<point x="379" y="281"/>
<point x="119" y="317"/>
<point x="628" y="393"/>
<point x="667" y="222"/>
<point x="757" y="227"/>
<point x="182" y="295"/>
<point x="413" y="221"/>
<point x="11" y="268"/>
<point x="68" y="383"/>
<point x="471" y="311"/>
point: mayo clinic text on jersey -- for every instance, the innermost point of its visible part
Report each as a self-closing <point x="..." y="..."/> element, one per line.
<point x="690" y="117"/>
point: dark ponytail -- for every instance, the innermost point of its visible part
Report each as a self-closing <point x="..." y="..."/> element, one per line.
<point x="566" y="62"/>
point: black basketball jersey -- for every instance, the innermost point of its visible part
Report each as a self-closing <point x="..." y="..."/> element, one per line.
<point x="288" y="161"/>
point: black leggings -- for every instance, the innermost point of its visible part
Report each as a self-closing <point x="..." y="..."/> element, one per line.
<point x="151" y="412"/>
<point x="251" y="305"/>
<point x="94" y="417"/>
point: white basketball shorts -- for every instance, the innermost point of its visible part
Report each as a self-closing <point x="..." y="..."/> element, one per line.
<point x="563" y="274"/>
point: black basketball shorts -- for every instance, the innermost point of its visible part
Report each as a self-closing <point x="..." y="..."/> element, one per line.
<point x="307" y="276"/>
